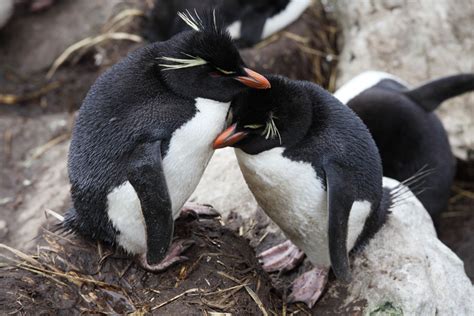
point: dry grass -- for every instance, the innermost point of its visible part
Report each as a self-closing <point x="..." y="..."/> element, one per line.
<point x="110" y="31"/>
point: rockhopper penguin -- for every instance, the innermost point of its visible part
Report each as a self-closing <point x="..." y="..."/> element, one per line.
<point x="313" y="167"/>
<point x="406" y="130"/>
<point x="248" y="21"/>
<point x="143" y="137"/>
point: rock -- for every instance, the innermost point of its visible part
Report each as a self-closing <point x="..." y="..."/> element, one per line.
<point x="50" y="190"/>
<point x="6" y="10"/>
<point x="30" y="33"/>
<point x="416" y="41"/>
<point x="224" y="187"/>
<point x="405" y="268"/>
<point x="39" y="178"/>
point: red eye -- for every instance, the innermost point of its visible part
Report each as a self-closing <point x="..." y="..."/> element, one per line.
<point x="215" y="74"/>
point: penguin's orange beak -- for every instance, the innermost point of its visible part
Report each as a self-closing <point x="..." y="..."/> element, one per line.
<point x="254" y="80"/>
<point x="228" y="137"/>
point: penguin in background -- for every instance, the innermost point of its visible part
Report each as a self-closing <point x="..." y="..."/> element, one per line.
<point x="406" y="130"/>
<point x="315" y="170"/>
<point x="248" y="21"/>
<point x="143" y="137"/>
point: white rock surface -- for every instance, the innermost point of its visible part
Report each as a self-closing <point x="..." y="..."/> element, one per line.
<point x="416" y="41"/>
<point x="407" y="266"/>
<point x="224" y="187"/>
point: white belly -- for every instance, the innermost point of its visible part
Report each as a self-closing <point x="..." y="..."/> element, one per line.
<point x="189" y="152"/>
<point x="294" y="198"/>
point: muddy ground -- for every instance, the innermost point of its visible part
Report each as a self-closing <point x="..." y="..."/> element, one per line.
<point x="34" y="133"/>
<point x="76" y="277"/>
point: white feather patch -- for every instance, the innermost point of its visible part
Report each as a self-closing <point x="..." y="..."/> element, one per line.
<point x="193" y="22"/>
<point x="362" y="82"/>
<point x="284" y="18"/>
<point x="234" y="29"/>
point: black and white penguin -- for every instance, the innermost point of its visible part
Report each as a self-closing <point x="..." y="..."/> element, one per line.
<point x="407" y="132"/>
<point x="248" y="21"/>
<point x="143" y="137"/>
<point x="314" y="168"/>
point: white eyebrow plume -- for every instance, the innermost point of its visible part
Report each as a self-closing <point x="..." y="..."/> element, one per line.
<point x="179" y="63"/>
<point x="214" y="18"/>
<point x="271" y="130"/>
<point x="194" y="22"/>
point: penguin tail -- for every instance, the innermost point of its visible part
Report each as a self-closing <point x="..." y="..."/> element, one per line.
<point x="430" y="95"/>
<point x="66" y="224"/>
<point x="413" y="185"/>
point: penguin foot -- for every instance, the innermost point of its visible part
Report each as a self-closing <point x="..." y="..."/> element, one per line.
<point x="309" y="286"/>
<point x="172" y="257"/>
<point x="196" y="211"/>
<point x="283" y="257"/>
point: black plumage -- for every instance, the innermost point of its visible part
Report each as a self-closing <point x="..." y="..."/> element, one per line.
<point x="128" y="119"/>
<point x="162" y="22"/>
<point x="315" y="128"/>
<point x="409" y="135"/>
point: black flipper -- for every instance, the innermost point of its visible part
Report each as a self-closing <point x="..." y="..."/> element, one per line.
<point x="340" y="200"/>
<point x="146" y="175"/>
<point x="430" y="95"/>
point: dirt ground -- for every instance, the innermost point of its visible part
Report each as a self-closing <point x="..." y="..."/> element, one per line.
<point x="74" y="277"/>
<point x="38" y="123"/>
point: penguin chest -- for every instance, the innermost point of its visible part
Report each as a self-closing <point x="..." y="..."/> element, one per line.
<point x="293" y="196"/>
<point x="190" y="150"/>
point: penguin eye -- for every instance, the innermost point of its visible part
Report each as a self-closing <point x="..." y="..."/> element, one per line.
<point x="215" y="74"/>
<point x="253" y="126"/>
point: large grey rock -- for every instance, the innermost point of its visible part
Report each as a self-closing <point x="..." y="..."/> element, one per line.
<point x="416" y="41"/>
<point x="407" y="266"/>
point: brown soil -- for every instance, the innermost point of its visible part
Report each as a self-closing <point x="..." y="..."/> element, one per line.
<point x="71" y="276"/>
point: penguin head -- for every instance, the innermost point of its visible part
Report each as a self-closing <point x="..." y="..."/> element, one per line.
<point x="263" y="119"/>
<point x="204" y="62"/>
